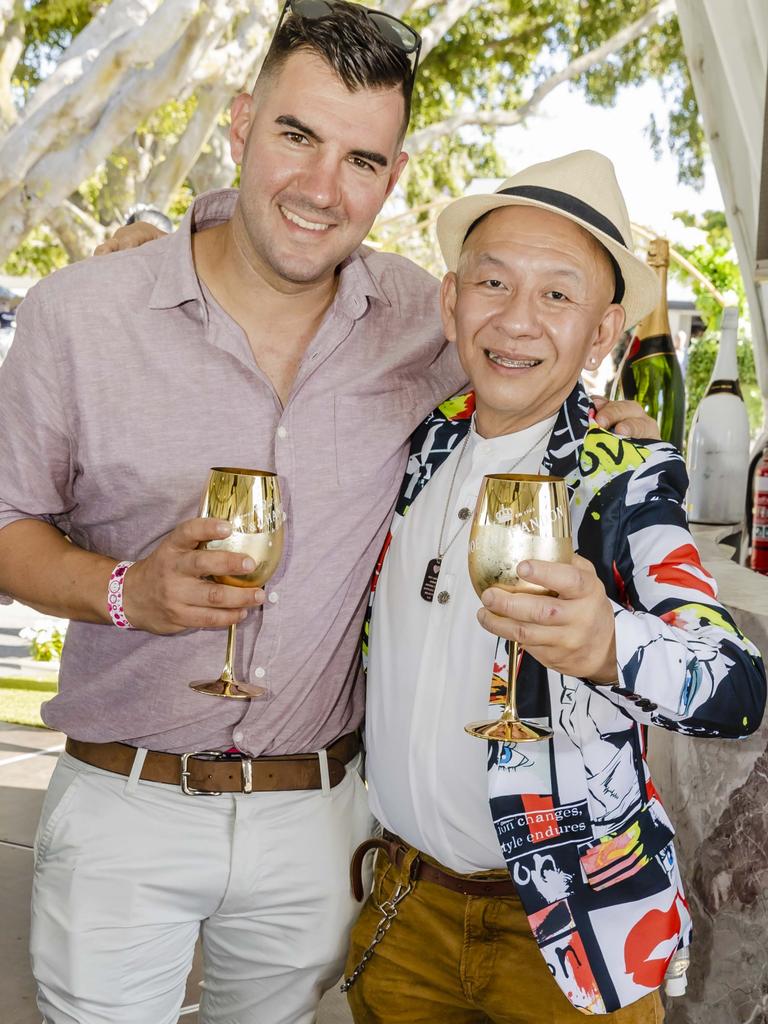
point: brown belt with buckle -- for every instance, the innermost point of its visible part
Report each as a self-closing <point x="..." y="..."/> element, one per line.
<point x="395" y="851"/>
<point x="211" y="772"/>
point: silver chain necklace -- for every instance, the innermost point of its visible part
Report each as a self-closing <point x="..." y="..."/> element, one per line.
<point x="429" y="585"/>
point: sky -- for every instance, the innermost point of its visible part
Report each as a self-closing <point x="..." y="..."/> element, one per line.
<point x="565" y="122"/>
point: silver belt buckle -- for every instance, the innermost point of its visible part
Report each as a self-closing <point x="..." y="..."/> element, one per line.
<point x="185" y="773"/>
<point x="217" y="755"/>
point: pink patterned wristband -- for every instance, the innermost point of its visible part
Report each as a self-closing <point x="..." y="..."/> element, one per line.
<point x="115" y="595"/>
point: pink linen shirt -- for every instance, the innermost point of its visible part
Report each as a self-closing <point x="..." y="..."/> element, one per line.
<point x="125" y="383"/>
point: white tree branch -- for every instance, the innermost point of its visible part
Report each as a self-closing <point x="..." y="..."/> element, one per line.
<point x="237" y="62"/>
<point x="8" y="11"/>
<point x="76" y="109"/>
<point x="10" y="54"/>
<point x="397" y="8"/>
<point x="224" y="71"/>
<point x="420" y="140"/>
<point x="165" y="177"/>
<point x="60" y="171"/>
<point x="443" y="21"/>
<point x="78" y="232"/>
<point x="110" y="23"/>
<point x="215" y="167"/>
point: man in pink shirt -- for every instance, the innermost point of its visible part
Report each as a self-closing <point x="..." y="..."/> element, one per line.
<point x="261" y="334"/>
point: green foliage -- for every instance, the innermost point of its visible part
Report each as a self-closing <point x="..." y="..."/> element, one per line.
<point x="490" y="60"/>
<point x="50" y="26"/>
<point x="20" y="699"/>
<point x="169" y="120"/>
<point x="42" y="684"/>
<point x="45" y="642"/>
<point x="90" y="190"/>
<point x="22" y="707"/>
<point x="493" y="58"/>
<point x="39" y="254"/>
<point x="656" y="56"/>
<point x="181" y="202"/>
<point x="715" y="257"/>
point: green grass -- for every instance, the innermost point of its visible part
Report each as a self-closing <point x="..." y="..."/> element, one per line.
<point x="20" y="700"/>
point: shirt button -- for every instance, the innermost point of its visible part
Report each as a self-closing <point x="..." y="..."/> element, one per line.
<point x="237" y="735"/>
<point x="464" y="514"/>
<point x="282" y="432"/>
<point x="260" y="672"/>
<point x="273" y="597"/>
<point x="443" y="597"/>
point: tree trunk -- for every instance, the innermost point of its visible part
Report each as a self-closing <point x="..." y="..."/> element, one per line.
<point x="215" y="167"/>
<point x="167" y="175"/>
<point x="12" y="49"/>
<point x="136" y="55"/>
<point x="58" y="172"/>
<point x="78" y="232"/>
<point x="77" y="108"/>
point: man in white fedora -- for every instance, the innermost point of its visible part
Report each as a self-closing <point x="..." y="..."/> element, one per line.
<point x="535" y="882"/>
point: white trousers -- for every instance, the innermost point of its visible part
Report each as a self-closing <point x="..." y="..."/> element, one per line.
<point x="128" y="873"/>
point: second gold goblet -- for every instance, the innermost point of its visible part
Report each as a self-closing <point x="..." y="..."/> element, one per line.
<point x="250" y="500"/>
<point x="516" y="517"/>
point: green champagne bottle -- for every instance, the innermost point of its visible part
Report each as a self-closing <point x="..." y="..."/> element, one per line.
<point x="650" y="372"/>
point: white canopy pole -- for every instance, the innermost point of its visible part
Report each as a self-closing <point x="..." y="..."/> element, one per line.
<point x="726" y="43"/>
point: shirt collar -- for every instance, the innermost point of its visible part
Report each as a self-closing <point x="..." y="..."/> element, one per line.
<point x="177" y="281"/>
<point x="519" y="439"/>
<point x="357" y="284"/>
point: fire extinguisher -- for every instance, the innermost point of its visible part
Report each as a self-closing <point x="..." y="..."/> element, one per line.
<point x="759" y="557"/>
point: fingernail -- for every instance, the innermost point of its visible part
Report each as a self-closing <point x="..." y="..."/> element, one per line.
<point x="482" y="615"/>
<point x="248" y="565"/>
<point x="243" y="614"/>
<point x="524" y="569"/>
<point x="487" y="598"/>
<point x="223" y="529"/>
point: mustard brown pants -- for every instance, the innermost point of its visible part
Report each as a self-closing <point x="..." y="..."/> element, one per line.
<point x="454" y="959"/>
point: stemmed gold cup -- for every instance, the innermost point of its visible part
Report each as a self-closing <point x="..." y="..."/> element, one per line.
<point x="516" y="518"/>
<point x="250" y="500"/>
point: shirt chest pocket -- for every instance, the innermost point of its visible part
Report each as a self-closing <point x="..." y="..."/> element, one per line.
<point x="372" y="434"/>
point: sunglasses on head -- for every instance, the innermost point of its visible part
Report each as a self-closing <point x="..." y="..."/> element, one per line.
<point x="391" y="29"/>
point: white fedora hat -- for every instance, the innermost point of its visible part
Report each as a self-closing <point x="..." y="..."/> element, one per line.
<point x="581" y="186"/>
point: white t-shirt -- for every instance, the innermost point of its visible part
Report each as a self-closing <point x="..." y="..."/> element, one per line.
<point x="429" y="670"/>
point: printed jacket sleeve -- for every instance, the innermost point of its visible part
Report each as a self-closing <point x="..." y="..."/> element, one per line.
<point x="682" y="662"/>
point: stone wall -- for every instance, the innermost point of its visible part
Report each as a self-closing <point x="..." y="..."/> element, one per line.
<point x="716" y="793"/>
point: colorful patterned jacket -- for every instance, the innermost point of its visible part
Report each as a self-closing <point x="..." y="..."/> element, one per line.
<point x="579" y="821"/>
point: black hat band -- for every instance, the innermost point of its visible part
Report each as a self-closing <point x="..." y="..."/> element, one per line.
<point x="568" y="204"/>
<point x="576" y="208"/>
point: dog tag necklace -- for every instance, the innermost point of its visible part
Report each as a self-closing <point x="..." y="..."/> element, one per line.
<point x="429" y="586"/>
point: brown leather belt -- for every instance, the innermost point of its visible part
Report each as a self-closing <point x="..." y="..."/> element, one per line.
<point x="210" y="772"/>
<point x="395" y="851"/>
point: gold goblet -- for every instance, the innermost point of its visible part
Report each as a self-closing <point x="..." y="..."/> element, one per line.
<point x="516" y="517"/>
<point x="250" y="500"/>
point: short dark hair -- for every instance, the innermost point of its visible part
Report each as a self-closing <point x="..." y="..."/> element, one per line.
<point x="350" y="45"/>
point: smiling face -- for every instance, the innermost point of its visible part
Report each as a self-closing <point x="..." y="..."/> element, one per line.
<point x="318" y="162"/>
<point x="528" y="307"/>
